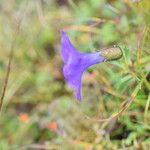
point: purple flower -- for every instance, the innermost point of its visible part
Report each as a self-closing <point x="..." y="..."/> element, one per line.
<point x="75" y="63"/>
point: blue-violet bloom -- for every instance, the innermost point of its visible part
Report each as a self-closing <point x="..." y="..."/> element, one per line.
<point x="75" y="63"/>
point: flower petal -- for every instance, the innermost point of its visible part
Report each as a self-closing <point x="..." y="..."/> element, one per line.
<point x="67" y="48"/>
<point x="75" y="63"/>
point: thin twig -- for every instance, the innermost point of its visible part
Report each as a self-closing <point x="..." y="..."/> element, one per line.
<point x="7" y="76"/>
<point x="115" y="115"/>
<point x="8" y="69"/>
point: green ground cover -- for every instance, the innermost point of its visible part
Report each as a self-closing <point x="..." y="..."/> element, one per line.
<point x="39" y="110"/>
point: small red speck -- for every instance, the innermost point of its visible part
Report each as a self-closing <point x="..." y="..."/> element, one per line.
<point x="89" y="147"/>
<point x="52" y="125"/>
<point x="23" y="117"/>
<point x="91" y="77"/>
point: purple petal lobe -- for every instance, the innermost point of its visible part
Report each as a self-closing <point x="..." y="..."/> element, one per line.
<point x="75" y="63"/>
<point x="67" y="48"/>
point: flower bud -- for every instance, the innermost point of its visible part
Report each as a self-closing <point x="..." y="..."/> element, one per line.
<point x="112" y="53"/>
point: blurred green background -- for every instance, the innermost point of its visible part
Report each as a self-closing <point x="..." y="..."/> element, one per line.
<point x="39" y="110"/>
